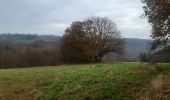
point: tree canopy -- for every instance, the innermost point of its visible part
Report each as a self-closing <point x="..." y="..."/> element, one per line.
<point x="90" y="40"/>
<point x="158" y="14"/>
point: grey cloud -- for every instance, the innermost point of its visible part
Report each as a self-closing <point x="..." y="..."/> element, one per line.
<point x="53" y="16"/>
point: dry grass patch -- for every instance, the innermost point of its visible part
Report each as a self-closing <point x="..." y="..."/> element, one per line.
<point x="137" y="72"/>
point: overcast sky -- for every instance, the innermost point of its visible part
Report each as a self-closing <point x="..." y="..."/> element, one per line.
<point x="53" y="16"/>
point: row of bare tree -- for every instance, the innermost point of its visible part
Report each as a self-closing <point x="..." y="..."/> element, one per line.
<point x="35" y="54"/>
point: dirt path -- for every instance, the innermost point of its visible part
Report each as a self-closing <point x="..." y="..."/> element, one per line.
<point x="157" y="89"/>
<point x="158" y="82"/>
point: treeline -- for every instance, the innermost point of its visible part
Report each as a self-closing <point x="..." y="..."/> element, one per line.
<point x="37" y="53"/>
<point x="26" y="38"/>
<point x="154" y="57"/>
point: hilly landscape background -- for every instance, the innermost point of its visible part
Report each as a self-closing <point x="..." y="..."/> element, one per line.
<point x="136" y="46"/>
<point x="133" y="46"/>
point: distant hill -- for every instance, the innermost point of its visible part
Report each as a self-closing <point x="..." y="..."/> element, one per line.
<point x="133" y="47"/>
<point x="27" y="38"/>
<point x="136" y="46"/>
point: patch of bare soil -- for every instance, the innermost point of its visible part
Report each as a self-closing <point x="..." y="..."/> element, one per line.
<point x="19" y="92"/>
<point x="158" y="82"/>
<point x="157" y="89"/>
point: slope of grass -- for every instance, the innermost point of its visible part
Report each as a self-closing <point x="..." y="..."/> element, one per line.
<point x="75" y="82"/>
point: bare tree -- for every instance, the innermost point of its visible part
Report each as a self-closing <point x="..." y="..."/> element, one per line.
<point x="100" y="36"/>
<point x="106" y="35"/>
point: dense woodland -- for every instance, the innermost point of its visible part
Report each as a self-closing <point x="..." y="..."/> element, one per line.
<point x="27" y="51"/>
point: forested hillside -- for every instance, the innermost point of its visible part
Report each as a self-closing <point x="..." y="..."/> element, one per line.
<point x="140" y="45"/>
<point x="26" y="38"/>
<point x="40" y="50"/>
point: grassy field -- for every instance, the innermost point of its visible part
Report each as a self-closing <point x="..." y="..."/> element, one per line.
<point x="123" y="81"/>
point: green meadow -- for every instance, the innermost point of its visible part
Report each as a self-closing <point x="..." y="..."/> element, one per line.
<point x="122" y="81"/>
